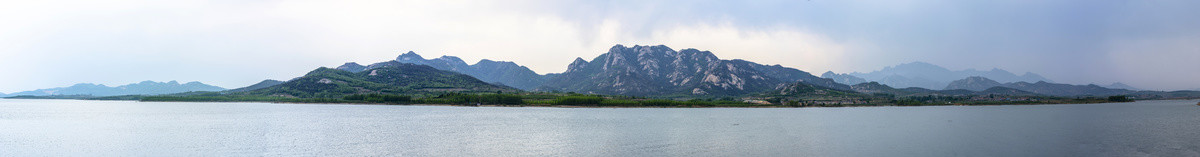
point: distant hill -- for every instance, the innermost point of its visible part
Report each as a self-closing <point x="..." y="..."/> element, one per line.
<point x="875" y="87"/>
<point x="1055" y="89"/>
<point x="387" y="78"/>
<point x="1118" y="85"/>
<point x="805" y="91"/>
<point x="503" y="72"/>
<point x="925" y="75"/>
<point x="256" y="86"/>
<point x="141" y="88"/>
<point x="843" y="78"/>
<point x="974" y="83"/>
<point x="660" y="70"/>
<point x="352" y="67"/>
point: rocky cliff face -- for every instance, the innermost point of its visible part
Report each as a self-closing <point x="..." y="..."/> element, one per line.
<point x="660" y="70"/>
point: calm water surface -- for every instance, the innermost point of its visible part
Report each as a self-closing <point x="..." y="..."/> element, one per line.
<point x="126" y="128"/>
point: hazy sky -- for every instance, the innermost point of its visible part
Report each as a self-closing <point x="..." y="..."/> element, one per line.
<point x="232" y="43"/>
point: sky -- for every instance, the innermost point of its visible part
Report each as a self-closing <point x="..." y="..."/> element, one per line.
<point x="1149" y="44"/>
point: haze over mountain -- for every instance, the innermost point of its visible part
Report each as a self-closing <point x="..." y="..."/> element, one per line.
<point x="929" y="76"/>
<point x="877" y="88"/>
<point x="974" y="83"/>
<point x="843" y="78"/>
<point x="1119" y="85"/>
<point x="1045" y="88"/>
<point x="141" y="88"/>
<point x="1056" y="89"/>
<point x="660" y="70"/>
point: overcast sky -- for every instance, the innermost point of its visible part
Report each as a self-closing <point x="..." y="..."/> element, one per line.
<point x="232" y="43"/>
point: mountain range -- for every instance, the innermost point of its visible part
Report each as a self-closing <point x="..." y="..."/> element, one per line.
<point x="141" y="88"/>
<point x="501" y="72"/>
<point x="976" y="83"/>
<point x="637" y="71"/>
<point x="843" y="78"/>
<point x="929" y="76"/>
<point x="876" y="87"/>
<point x="387" y="77"/>
<point x="660" y="70"/>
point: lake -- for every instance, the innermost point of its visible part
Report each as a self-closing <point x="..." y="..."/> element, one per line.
<point x="127" y="128"/>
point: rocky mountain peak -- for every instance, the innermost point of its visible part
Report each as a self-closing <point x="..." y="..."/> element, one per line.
<point x="410" y="56"/>
<point x="827" y="74"/>
<point x="504" y="72"/>
<point x="579" y="60"/>
<point x="660" y="70"/>
<point x="352" y="64"/>
<point x="451" y="59"/>
<point x="576" y="65"/>
<point x="352" y="67"/>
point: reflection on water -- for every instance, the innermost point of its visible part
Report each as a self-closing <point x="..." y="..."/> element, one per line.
<point x="124" y="128"/>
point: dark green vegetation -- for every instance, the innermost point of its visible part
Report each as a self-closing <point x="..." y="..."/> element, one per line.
<point x="1119" y="98"/>
<point x="523" y="99"/>
<point x="792" y="95"/>
<point x="401" y="78"/>
<point x="875" y="94"/>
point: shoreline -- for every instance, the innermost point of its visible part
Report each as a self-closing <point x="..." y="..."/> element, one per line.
<point x="578" y="106"/>
<point x="584" y="106"/>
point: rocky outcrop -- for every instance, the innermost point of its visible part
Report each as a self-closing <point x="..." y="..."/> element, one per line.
<point x="660" y="70"/>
